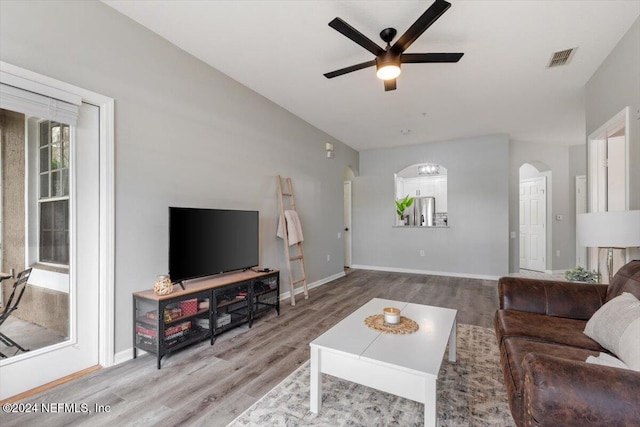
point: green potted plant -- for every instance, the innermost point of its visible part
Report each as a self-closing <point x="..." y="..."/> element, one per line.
<point x="401" y="205"/>
<point x="579" y="274"/>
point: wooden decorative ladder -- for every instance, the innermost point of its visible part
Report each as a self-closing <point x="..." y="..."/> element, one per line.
<point x="300" y="252"/>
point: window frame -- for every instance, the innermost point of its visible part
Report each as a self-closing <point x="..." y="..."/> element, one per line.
<point x="51" y="199"/>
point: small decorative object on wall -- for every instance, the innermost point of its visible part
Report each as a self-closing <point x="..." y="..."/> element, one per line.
<point x="580" y="274"/>
<point x="401" y="205"/>
<point x="329" y="149"/>
<point x="163" y="285"/>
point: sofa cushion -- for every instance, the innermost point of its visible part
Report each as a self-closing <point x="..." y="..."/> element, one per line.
<point x="627" y="279"/>
<point x="514" y="323"/>
<point x="616" y="327"/>
<point x="551" y="297"/>
<point x="512" y="352"/>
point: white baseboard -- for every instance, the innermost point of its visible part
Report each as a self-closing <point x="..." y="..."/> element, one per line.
<point x="431" y="273"/>
<point x="315" y="284"/>
<point x="127" y="354"/>
<point x="124" y="355"/>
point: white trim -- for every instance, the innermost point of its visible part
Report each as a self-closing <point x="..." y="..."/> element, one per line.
<point x="35" y="104"/>
<point x="49" y="280"/>
<point x="107" y="231"/>
<point x="70" y="93"/>
<point x="73" y="232"/>
<point x="37" y="352"/>
<point x="315" y="284"/>
<point x="126" y="355"/>
<point x="427" y="272"/>
<point x="38" y="84"/>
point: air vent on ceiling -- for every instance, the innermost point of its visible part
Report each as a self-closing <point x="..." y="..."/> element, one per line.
<point x="562" y="57"/>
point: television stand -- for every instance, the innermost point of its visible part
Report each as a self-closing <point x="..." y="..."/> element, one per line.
<point x="202" y="310"/>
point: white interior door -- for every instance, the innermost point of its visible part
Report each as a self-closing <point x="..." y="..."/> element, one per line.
<point x="35" y="368"/>
<point x="347" y="223"/>
<point x="533" y="218"/>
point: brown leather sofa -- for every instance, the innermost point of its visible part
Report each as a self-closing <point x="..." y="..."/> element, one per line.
<point x="539" y="328"/>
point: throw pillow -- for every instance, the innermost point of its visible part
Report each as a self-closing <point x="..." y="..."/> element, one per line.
<point x="605" y="359"/>
<point x="616" y="327"/>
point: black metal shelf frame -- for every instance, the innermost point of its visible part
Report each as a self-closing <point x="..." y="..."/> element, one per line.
<point x="238" y="300"/>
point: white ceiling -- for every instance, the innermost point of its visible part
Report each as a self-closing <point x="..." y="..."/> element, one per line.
<point x="281" y="49"/>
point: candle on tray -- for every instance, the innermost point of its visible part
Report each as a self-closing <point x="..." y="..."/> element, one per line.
<point x="391" y="315"/>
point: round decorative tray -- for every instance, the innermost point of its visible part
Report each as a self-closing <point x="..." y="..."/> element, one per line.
<point x="377" y="323"/>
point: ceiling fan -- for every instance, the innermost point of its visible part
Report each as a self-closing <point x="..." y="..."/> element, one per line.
<point x="388" y="60"/>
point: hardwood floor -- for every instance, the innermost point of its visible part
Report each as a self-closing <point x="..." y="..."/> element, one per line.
<point x="211" y="385"/>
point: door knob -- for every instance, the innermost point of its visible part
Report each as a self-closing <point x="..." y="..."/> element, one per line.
<point x="346" y="229"/>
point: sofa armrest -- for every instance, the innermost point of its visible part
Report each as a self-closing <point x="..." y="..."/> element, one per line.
<point x="562" y="392"/>
<point x="550" y="297"/>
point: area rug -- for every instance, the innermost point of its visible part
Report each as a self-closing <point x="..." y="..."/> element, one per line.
<point x="470" y="393"/>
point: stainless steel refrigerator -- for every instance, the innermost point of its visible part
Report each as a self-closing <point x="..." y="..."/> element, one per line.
<point x="424" y="209"/>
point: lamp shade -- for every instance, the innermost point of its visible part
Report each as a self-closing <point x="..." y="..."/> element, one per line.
<point x="615" y="229"/>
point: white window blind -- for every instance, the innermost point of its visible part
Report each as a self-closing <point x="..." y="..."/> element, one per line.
<point x="34" y="104"/>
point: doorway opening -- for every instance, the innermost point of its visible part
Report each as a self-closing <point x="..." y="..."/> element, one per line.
<point x="534" y="222"/>
<point x="608" y="181"/>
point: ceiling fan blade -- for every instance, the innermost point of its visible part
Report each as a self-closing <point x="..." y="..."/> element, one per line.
<point x="346" y="70"/>
<point x="389" y="85"/>
<point x="348" y="31"/>
<point x="425" y="21"/>
<point x="420" y="58"/>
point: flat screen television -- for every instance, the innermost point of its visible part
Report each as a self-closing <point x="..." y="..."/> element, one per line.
<point x="204" y="242"/>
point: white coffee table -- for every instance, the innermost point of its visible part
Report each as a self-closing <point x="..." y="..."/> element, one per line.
<point x="404" y="365"/>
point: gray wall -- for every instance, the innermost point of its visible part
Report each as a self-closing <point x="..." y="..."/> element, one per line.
<point x="186" y="135"/>
<point x="615" y="85"/>
<point x="476" y="243"/>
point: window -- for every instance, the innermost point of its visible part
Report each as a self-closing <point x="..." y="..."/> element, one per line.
<point x="53" y="200"/>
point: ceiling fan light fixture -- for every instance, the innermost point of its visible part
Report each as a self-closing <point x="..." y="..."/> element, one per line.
<point x="387" y="66"/>
<point x="388" y="60"/>
<point x="388" y="72"/>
